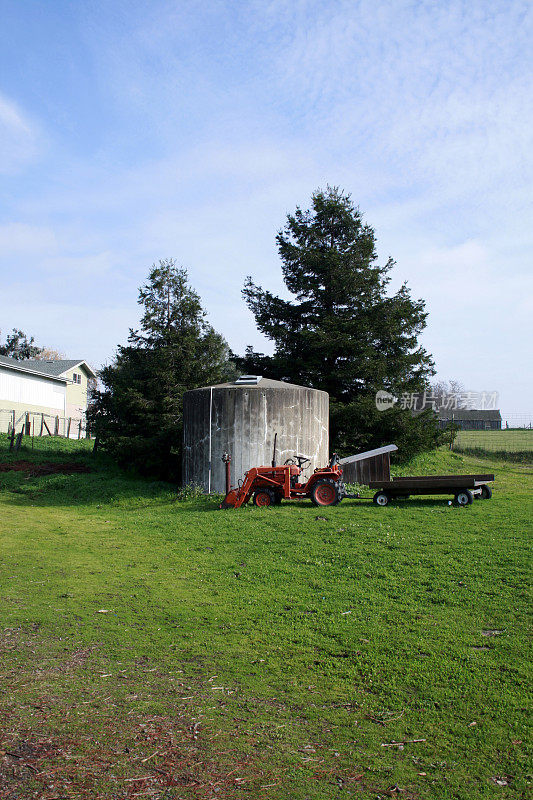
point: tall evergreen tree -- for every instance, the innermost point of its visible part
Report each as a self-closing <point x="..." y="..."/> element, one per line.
<point x="138" y="415"/>
<point x="342" y="331"/>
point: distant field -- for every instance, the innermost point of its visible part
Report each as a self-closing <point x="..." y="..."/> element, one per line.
<point x="510" y="441"/>
<point x="159" y="648"/>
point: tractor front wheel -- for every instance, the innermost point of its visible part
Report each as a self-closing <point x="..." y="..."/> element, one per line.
<point x="325" y="493"/>
<point x="264" y="498"/>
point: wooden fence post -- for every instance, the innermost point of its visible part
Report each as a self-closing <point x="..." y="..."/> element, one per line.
<point x="42" y="423"/>
<point x="452" y="432"/>
<point x="27" y="424"/>
<point x="56" y="429"/>
<point x="79" y="430"/>
<point x="68" y="427"/>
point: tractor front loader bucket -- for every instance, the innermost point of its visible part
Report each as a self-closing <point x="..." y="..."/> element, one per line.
<point x="229" y="500"/>
<point x="233" y="499"/>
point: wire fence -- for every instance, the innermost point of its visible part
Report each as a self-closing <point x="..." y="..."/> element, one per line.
<point x="514" y="421"/>
<point x="514" y="437"/>
<point x="33" y="423"/>
<point x="505" y="441"/>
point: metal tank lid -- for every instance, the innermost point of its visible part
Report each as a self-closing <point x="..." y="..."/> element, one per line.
<point x="255" y="382"/>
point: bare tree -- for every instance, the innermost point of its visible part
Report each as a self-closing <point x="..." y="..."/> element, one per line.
<point x="442" y="389"/>
<point x="49" y="354"/>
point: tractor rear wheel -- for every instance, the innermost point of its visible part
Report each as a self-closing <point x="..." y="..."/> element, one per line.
<point x="264" y="498"/>
<point x="325" y="493"/>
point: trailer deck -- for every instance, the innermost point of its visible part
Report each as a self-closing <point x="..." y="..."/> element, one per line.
<point x="463" y="487"/>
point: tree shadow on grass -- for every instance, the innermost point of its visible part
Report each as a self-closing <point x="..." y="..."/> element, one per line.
<point x="419" y="502"/>
<point x="429" y="502"/>
<point x="104" y="485"/>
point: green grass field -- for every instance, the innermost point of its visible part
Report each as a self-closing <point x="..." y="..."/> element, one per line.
<point x="160" y="648"/>
<point x="515" y="441"/>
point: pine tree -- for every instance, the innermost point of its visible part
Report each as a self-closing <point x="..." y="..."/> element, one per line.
<point x="342" y="331"/>
<point x="138" y="416"/>
<point x="19" y="347"/>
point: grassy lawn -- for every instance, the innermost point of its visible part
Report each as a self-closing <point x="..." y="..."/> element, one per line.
<point x="518" y="441"/>
<point x="161" y="648"/>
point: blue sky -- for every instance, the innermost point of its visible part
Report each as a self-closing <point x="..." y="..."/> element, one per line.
<point x="133" y="131"/>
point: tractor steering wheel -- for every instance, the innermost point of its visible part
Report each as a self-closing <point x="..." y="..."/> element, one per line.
<point x="301" y="460"/>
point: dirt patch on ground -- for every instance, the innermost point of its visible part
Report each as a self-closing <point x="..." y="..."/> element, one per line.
<point x="74" y="726"/>
<point x="157" y="757"/>
<point x="45" y="468"/>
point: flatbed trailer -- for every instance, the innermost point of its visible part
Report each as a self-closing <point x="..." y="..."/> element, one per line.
<point x="463" y="487"/>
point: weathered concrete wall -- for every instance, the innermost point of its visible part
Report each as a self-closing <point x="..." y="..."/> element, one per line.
<point x="244" y="420"/>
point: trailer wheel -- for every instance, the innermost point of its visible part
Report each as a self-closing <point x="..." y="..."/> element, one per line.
<point x="464" y="497"/>
<point x="325" y="493"/>
<point x="486" y="492"/>
<point x="381" y="499"/>
<point x="264" y="498"/>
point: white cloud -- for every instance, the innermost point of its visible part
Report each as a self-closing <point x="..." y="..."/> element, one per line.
<point x="74" y="328"/>
<point x="92" y="265"/>
<point x="10" y="117"/>
<point x="18" y="137"/>
<point x="479" y="316"/>
<point x="18" y="238"/>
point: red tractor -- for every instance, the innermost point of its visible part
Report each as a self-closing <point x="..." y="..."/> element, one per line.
<point x="270" y="485"/>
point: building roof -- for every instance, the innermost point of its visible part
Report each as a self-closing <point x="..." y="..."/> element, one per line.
<point x="48" y="369"/>
<point x="379" y="451"/>
<point x="263" y="383"/>
<point x="20" y="366"/>
<point x="58" y="367"/>
<point x="468" y="413"/>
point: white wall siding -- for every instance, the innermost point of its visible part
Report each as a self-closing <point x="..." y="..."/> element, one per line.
<point x="20" y="387"/>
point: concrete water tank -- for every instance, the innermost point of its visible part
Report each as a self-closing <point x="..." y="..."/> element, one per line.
<point x="242" y="418"/>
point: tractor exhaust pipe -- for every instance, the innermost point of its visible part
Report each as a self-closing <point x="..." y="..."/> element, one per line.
<point x="274" y="451"/>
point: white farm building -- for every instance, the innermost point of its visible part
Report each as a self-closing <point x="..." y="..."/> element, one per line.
<point x="53" y="391"/>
